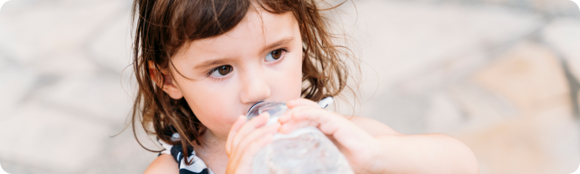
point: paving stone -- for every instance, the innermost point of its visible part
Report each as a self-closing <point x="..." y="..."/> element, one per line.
<point x="16" y="83"/>
<point x="543" y="142"/>
<point x="15" y="7"/>
<point x="530" y="76"/>
<point x="563" y="34"/>
<point x="548" y="7"/>
<point x="399" y="39"/>
<point x="410" y="49"/>
<point x="68" y="63"/>
<point x="19" y="167"/>
<point x="124" y="155"/>
<point x="443" y="115"/>
<point x="541" y="136"/>
<point x="45" y="138"/>
<point x="515" y="114"/>
<point x="111" y="47"/>
<point x="464" y="107"/>
<point x="36" y="28"/>
<point x="403" y="112"/>
<point x="97" y="98"/>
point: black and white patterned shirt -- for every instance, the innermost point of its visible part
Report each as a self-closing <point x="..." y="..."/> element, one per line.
<point x="197" y="167"/>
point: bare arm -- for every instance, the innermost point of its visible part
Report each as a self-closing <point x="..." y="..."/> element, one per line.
<point x="426" y="153"/>
<point x="164" y="164"/>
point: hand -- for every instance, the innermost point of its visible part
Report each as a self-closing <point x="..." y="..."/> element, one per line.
<point x="359" y="147"/>
<point x="245" y="140"/>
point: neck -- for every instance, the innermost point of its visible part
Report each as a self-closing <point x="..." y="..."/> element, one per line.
<point x="213" y="142"/>
<point x="213" y="152"/>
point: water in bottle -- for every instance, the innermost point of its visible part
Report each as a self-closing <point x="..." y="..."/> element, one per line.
<point x="303" y="151"/>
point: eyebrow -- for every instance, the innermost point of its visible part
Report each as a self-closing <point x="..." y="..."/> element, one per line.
<point x="210" y="63"/>
<point x="278" y="43"/>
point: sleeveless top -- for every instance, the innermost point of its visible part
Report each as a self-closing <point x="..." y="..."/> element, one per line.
<point x="197" y="167"/>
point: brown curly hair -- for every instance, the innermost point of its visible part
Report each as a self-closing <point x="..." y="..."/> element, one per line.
<point x="164" y="26"/>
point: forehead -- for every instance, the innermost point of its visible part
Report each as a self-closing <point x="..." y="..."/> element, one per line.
<point x="254" y="32"/>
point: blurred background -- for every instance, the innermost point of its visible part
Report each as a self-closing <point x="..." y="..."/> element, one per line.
<point x="500" y="75"/>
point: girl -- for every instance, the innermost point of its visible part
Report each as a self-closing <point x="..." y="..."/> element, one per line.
<point x="201" y="64"/>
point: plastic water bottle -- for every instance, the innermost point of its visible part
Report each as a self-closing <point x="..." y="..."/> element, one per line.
<point x="303" y="151"/>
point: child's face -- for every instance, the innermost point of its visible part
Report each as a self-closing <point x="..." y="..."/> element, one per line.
<point x="259" y="60"/>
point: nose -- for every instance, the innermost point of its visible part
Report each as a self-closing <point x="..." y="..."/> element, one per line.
<point x="255" y="87"/>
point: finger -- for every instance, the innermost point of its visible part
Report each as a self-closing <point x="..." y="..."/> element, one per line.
<point x="288" y="115"/>
<point x="237" y="125"/>
<point x="248" y="151"/>
<point x="241" y="159"/>
<point x="246" y="156"/>
<point x="248" y="127"/>
<point x="289" y="127"/>
<point x="328" y="122"/>
<point x="301" y="102"/>
<point x="257" y="135"/>
<point x="335" y="125"/>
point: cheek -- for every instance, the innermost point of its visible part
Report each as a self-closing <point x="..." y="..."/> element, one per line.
<point x="296" y="78"/>
<point x="213" y="107"/>
<point x="216" y="120"/>
<point x="289" y="82"/>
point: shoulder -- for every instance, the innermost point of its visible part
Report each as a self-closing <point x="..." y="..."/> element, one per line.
<point x="372" y="127"/>
<point x="164" y="163"/>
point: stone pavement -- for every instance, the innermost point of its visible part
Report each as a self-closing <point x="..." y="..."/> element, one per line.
<point x="500" y="75"/>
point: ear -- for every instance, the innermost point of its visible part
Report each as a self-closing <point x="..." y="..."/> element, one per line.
<point x="167" y="85"/>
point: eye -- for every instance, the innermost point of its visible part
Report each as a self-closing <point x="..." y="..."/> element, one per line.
<point x="275" y="55"/>
<point x="221" y="71"/>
